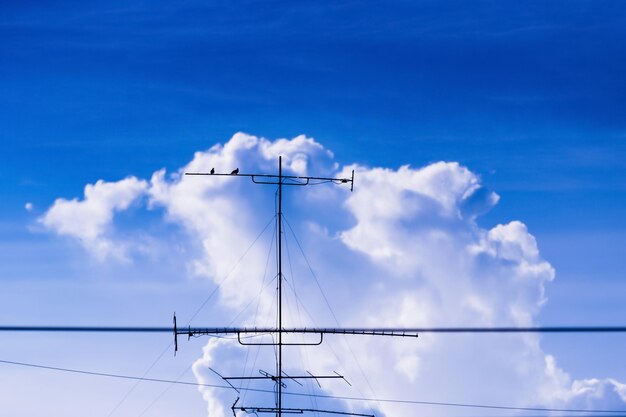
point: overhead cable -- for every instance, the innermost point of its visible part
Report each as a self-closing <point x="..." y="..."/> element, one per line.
<point x="604" y="412"/>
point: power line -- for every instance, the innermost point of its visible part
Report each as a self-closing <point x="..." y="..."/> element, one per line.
<point x="334" y="397"/>
<point x="109" y="375"/>
<point x="165" y="329"/>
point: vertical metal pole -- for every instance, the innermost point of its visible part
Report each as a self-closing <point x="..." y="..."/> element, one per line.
<point x="280" y="285"/>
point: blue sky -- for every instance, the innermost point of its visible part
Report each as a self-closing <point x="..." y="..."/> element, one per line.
<point x="527" y="95"/>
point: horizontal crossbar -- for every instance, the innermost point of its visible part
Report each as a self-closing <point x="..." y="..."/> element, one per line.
<point x="196" y="331"/>
<point x="287" y="177"/>
<point x="296" y="411"/>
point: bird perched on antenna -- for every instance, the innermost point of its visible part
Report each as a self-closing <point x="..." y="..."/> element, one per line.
<point x="212" y="171"/>
<point x="235" y="172"/>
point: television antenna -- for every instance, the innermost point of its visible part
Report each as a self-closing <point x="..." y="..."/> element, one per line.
<point x="277" y="332"/>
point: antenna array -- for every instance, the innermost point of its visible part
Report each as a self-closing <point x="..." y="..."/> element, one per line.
<point x="280" y="181"/>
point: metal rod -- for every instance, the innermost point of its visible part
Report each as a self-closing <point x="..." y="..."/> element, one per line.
<point x="298" y="411"/>
<point x="241" y="342"/>
<point x="175" y="335"/>
<point x="287" y="376"/>
<point x="279" y="371"/>
<point x="225" y="379"/>
<point x="318" y="382"/>
<point x="279" y="176"/>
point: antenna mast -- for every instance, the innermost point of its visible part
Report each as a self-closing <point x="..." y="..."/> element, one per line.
<point x="279" y="370"/>
<point x="284" y="180"/>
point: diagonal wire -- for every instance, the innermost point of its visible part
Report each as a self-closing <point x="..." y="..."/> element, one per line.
<point x="602" y="412"/>
<point x="304" y="357"/>
<point x="231" y="323"/>
<point x="145" y="410"/>
<point x="204" y="303"/>
<point x="132" y="389"/>
<point x="308" y="313"/>
<point x="256" y="316"/>
<point x="231" y="270"/>
<point x="331" y="310"/>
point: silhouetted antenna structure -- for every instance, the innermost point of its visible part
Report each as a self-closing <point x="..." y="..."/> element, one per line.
<point x="277" y="332"/>
<point x="280" y="179"/>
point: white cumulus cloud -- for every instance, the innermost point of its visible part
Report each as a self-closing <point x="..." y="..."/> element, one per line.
<point x="404" y="249"/>
<point x="221" y="215"/>
<point x="89" y="220"/>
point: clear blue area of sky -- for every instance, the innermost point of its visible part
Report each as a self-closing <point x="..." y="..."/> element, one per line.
<point x="531" y="95"/>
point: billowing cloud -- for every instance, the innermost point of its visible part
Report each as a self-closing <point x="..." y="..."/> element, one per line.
<point x="89" y="220"/>
<point x="403" y="249"/>
<point x="399" y="213"/>
<point x="221" y="214"/>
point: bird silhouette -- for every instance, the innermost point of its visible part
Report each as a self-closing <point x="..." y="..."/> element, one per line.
<point x="212" y="171"/>
<point x="235" y="172"/>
